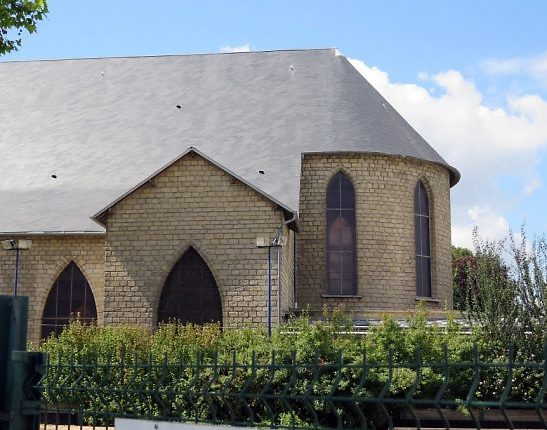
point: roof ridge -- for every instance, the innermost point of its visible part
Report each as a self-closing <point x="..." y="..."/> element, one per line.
<point x="196" y="54"/>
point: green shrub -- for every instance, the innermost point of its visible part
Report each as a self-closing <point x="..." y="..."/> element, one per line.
<point x="188" y="372"/>
<point x="191" y="372"/>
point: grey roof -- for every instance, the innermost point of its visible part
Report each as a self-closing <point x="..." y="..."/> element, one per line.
<point x="103" y="125"/>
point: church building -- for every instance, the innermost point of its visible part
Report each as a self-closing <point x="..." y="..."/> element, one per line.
<point x="188" y="186"/>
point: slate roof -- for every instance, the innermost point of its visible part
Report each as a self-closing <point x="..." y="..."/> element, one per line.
<point x="102" y="125"/>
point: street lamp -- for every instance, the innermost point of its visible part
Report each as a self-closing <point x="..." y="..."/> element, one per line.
<point x="277" y="242"/>
<point x="16" y="245"/>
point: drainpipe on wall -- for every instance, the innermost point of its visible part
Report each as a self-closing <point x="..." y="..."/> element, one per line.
<point x="278" y="287"/>
<point x="278" y="242"/>
<point x="295" y="273"/>
<point x="269" y="291"/>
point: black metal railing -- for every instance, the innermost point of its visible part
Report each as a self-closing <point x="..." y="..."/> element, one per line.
<point x="284" y="393"/>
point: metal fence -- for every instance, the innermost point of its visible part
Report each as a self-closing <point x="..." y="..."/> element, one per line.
<point x="284" y="393"/>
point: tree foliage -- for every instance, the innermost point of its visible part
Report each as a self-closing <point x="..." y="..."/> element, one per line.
<point x="17" y="16"/>
<point x="507" y="292"/>
<point x="464" y="265"/>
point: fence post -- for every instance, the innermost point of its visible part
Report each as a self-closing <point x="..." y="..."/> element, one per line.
<point x="20" y="371"/>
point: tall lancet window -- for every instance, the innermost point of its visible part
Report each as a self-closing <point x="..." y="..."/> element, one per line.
<point x="341" y="276"/>
<point x="423" y="243"/>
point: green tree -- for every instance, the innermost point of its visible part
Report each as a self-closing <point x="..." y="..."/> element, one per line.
<point x="509" y="296"/>
<point x="17" y="16"/>
<point x="464" y="265"/>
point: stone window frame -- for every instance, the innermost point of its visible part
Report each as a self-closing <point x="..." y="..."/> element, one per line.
<point x="422" y="180"/>
<point x="92" y="305"/>
<point x="331" y="293"/>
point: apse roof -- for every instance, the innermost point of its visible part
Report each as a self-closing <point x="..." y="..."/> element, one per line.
<point x="77" y="134"/>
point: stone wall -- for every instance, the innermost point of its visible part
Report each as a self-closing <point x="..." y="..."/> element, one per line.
<point x="40" y="266"/>
<point x="193" y="203"/>
<point x="287" y="274"/>
<point x="384" y="190"/>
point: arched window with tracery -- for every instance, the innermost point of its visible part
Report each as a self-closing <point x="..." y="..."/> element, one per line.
<point x="70" y="297"/>
<point x="341" y="273"/>
<point x="190" y="294"/>
<point x="422" y="241"/>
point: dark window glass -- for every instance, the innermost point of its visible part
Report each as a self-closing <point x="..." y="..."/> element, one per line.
<point x="333" y="195"/>
<point x="424" y="201"/>
<point x="341" y="277"/>
<point x="341" y="227"/>
<point x="423" y="246"/>
<point x="417" y="243"/>
<point x="70" y="297"/>
<point x="347" y="274"/>
<point x="190" y="294"/>
<point x="426" y="270"/>
<point x="347" y="196"/>
<point x="426" y="248"/>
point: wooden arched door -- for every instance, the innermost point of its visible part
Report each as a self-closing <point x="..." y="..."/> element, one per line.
<point x="190" y="294"/>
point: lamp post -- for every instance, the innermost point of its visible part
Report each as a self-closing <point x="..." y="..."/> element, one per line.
<point x="16" y="245"/>
<point x="277" y="242"/>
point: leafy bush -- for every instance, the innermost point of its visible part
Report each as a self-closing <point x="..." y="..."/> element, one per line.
<point x="203" y="372"/>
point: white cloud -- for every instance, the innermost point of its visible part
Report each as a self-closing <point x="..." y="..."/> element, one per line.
<point x="496" y="66"/>
<point x="483" y="143"/>
<point x="491" y="226"/>
<point x="241" y="48"/>
<point x="535" y="66"/>
<point x="534" y="183"/>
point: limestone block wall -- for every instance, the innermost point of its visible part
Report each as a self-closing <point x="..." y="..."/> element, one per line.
<point x="193" y="203"/>
<point x="40" y="266"/>
<point x="385" y="260"/>
<point x="287" y="274"/>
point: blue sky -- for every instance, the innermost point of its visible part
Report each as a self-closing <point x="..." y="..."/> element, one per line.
<point x="470" y="76"/>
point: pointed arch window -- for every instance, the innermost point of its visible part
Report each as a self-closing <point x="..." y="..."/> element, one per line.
<point x="70" y="296"/>
<point x="190" y="294"/>
<point x="341" y="273"/>
<point x="422" y="241"/>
